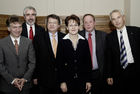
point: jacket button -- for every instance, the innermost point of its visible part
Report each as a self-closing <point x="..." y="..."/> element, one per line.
<point x="75" y="60"/>
<point x="18" y="66"/>
<point x="55" y="69"/>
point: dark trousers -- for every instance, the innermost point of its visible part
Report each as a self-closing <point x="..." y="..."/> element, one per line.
<point x="127" y="81"/>
<point x="49" y="90"/>
<point x="76" y="86"/>
<point x="35" y="89"/>
<point x="97" y="82"/>
<point x="15" y="92"/>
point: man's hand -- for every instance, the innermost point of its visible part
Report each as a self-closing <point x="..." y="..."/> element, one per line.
<point x="35" y="81"/>
<point x="110" y="81"/>
<point x="63" y="87"/>
<point x="88" y="86"/>
<point x="19" y="83"/>
<point x="16" y="82"/>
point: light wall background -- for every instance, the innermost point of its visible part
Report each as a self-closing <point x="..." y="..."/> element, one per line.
<point x="78" y="7"/>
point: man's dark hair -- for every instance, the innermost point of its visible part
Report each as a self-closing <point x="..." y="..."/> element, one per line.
<point x="89" y="15"/>
<point x="54" y="17"/>
<point x="13" y="19"/>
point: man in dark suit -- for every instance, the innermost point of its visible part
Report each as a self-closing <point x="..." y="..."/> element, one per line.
<point x="30" y="29"/>
<point x="123" y="49"/>
<point x="17" y="60"/>
<point x="97" y="53"/>
<point x="46" y="69"/>
<point x="29" y="14"/>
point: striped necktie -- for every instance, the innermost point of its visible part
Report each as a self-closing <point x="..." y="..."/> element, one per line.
<point x="123" y="54"/>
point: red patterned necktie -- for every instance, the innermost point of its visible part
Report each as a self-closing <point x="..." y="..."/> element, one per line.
<point x="31" y="33"/>
<point x="90" y="47"/>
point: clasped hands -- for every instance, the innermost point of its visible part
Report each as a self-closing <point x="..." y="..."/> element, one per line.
<point x="19" y="83"/>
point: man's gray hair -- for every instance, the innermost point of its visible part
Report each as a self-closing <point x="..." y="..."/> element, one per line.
<point x="28" y="8"/>
<point x="116" y="10"/>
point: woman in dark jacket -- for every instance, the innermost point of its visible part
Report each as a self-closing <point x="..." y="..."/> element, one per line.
<point x="74" y="60"/>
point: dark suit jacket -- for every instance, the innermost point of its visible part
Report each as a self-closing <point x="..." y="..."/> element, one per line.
<point x="74" y="63"/>
<point x="100" y="47"/>
<point x="114" y="68"/>
<point x="46" y="68"/>
<point x="15" y="66"/>
<point x="38" y="29"/>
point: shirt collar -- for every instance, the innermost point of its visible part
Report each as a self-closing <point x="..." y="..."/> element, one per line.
<point x="79" y="37"/>
<point x="50" y="34"/>
<point x="13" y="39"/>
<point x="123" y="29"/>
<point x="28" y="26"/>
<point x="93" y="33"/>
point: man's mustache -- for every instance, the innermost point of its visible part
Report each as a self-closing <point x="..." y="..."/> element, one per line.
<point x="31" y="20"/>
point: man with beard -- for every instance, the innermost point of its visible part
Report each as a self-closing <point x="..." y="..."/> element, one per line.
<point x="30" y="29"/>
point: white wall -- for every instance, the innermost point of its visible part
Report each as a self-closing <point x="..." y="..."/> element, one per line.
<point x="78" y="7"/>
<point x="135" y="13"/>
<point x="61" y="7"/>
<point x="127" y="8"/>
<point x="17" y="6"/>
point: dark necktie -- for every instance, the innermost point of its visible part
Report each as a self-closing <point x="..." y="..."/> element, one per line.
<point x="16" y="46"/>
<point x="123" y="55"/>
<point x="90" y="47"/>
<point x="31" y="33"/>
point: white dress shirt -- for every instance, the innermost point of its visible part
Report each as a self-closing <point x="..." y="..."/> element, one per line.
<point x="28" y="29"/>
<point x="130" y="58"/>
<point x="94" y="57"/>
<point x="13" y="39"/>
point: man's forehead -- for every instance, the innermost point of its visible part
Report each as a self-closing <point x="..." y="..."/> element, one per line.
<point x="15" y="23"/>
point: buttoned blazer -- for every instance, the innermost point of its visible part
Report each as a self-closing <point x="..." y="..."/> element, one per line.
<point x="46" y="70"/>
<point x="74" y="62"/>
<point x="100" y="39"/>
<point x="13" y="65"/>
<point x="113" y="50"/>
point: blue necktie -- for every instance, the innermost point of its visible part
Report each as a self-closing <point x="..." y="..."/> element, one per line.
<point x="123" y="55"/>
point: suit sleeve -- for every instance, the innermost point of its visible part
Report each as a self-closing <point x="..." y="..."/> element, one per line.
<point x="88" y="66"/>
<point x="60" y="61"/>
<point x="3" y="71"/>
<point x="31" y="62"/>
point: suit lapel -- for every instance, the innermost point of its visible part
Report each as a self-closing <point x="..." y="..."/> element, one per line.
<point x="36" y="29"/>
<point x="98" y="46"/>
<point x="131" y="38"/>
<point x="97" y="37"/>
<point x="21" y="45"/>
<point x="59" y="39"/>
<point x="11" y="45"/>
<point x="24" y="31"/>
<point x="115" y="42"/>
<point x="48" y="42"/>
